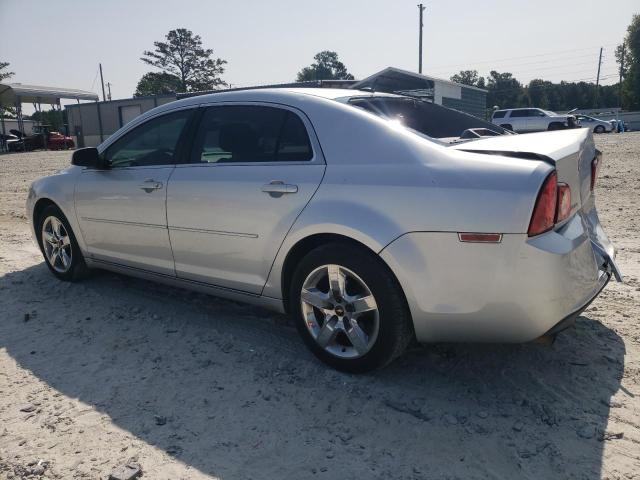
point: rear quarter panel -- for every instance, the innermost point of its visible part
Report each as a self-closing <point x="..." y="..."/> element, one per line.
<point x="383" y="181"/>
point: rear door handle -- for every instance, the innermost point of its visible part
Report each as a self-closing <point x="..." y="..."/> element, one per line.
<point x="277" y="188"/>
<point x="149" y="185"/>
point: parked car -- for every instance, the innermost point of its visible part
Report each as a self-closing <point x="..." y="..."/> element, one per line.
<point x="594" y="124"/>
<point x="10" y="141"/>
<point x="58" y="141"/>
<point x="525" y="120"/>
<point x="344" y="208"/>
<point x="35" y="141"/>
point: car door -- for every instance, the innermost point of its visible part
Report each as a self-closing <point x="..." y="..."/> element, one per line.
<point x="251" y="170"/>
<point x="122" y="209"/>
<point x="536" y="120"/>
<point x="519" y="120"/>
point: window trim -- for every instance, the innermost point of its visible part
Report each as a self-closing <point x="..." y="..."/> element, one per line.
<point x="317" y="157"/>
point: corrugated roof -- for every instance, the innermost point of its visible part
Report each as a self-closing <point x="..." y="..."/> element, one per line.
<point x="419" y="76"/>
<point x="10" y="92"/>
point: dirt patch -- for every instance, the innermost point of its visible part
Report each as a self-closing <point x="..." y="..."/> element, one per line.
<point x="114" y="371"/>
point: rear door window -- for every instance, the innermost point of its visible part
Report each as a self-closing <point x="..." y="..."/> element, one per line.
<point x="239" y="134"/>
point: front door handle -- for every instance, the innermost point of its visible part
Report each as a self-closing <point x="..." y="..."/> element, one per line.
<point x="149" y="185"/>
<point x="277" y="188"/>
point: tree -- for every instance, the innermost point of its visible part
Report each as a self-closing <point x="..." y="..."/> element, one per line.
<point x="469" y="77"/>
<point x="55" y="118"/>
<point x="631" y="83"/>
<point x="157" y="83"/>
<point x="3" y="75"/>
<point x="182" y="56"/>
<point x="623" y="59"/>
<point x="327" y="66"/>
<point x="504" y="90"/>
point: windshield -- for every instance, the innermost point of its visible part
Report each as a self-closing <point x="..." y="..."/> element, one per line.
<point x="427" y="118"/>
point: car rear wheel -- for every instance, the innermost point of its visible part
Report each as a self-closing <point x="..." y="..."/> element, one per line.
<point x="507" y="126"/>
<point x="349" y="308"/>
<point x="599" y="129"/>
<point x="59" y="245"/>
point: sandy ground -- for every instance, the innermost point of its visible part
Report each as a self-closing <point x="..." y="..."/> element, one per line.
<point x="114" y="370"/>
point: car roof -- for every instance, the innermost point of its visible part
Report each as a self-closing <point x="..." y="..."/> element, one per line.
<point x="273" y="95"/>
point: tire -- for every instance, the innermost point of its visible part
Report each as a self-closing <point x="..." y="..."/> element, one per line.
<point x="368" y="285"/>
<point x="53" y="221"/>
<point x="507" y="126"/>
<point x="599" y="129"/>
<point x="556" y="126"/>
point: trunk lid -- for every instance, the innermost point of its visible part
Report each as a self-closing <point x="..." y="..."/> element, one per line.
<point x="569" y="151"/>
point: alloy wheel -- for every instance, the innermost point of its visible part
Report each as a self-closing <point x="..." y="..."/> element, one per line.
<point x="57" y="244"/>
<point x="340" y="311"/>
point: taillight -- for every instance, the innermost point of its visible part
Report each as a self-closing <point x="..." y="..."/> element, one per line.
<point x="552" y="206"/>
<point x="564" y="202"/>
<point x="595" y="168"/>
<point x="544" y="211"/>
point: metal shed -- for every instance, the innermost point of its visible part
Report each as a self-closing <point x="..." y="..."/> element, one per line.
<point x="16" y="94"/>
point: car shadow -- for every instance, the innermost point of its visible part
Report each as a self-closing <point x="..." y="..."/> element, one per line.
<point x="229" y="390"/>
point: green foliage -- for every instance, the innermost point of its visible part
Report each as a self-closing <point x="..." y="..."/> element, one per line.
<point x="469" y="77"/>
<point x="182" y="56"/>
<point x="157" y="83"/>
<point x="631" y="83"/>
<point x="327" y="66"/>
<point x="57" y="119"/>
<point x="504" y="90"/>
<point x="5" y="74"/>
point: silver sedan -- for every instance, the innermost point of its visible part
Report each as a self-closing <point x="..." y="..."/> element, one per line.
<point x="373" y="219"/>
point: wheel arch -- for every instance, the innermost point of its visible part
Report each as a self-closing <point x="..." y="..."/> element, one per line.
<point x="305" y="245"/>
<point x="39" y="207"/>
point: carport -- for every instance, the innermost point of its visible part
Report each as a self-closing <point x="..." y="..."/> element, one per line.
<point x="14" y="95"/>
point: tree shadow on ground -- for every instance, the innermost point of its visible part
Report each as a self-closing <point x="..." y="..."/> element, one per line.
<point x="244" y="399"/>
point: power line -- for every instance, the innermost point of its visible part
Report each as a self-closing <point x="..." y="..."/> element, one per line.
<point x="538" y="62"/>
<point x="522" y="56"/>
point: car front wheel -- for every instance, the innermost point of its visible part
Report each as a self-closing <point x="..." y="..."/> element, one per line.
<point x="599" y="129"/>
<point x="59" y="245"/>
<point x="349" y="308"/>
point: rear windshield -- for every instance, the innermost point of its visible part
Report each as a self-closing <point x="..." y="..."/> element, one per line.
<point x="427" y="118"/>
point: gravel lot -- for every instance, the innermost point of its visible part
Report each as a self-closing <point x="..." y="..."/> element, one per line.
<point x="113" y="371"/>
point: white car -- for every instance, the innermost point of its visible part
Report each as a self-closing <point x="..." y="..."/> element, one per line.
<point x="532" y="120"/>
<point x="594" y="124"/>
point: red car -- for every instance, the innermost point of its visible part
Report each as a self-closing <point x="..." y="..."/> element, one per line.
<point x="58" y="141"/>
<point x="55" y="140"/>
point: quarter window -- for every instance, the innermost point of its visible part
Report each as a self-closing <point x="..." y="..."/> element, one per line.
<point x="239" y="134"/>
<point x="152" y="143"/>
<point x="499" y="113"/>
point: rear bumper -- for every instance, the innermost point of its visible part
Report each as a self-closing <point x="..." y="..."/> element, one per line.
<point x="514" y="291"/>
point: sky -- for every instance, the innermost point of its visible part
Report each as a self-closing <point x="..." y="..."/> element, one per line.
<point x="61" y="43"/>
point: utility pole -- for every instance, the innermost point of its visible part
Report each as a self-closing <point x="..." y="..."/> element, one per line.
<point x="421" y="8"/>
<point x="104" y="97"/>
<point x="595" y="103"/>
<point x="109" y="90"/>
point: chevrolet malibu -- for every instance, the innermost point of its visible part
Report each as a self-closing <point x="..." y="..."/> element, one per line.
<point x="372" y="219"/>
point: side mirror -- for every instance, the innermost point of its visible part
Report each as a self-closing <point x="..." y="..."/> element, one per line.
<point x="88" y="157"/>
